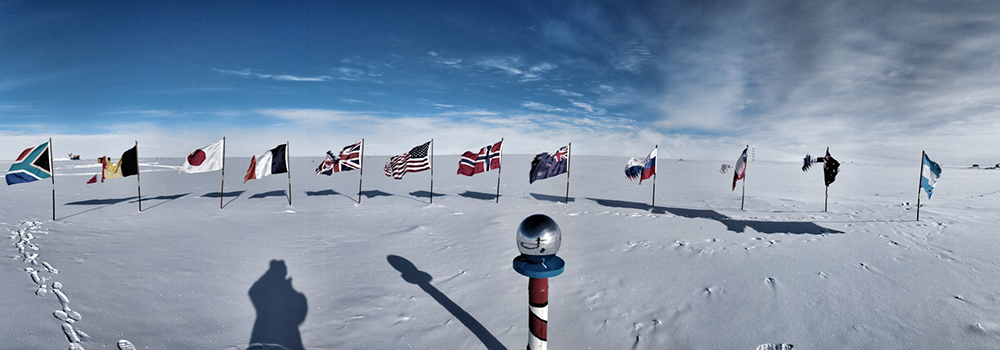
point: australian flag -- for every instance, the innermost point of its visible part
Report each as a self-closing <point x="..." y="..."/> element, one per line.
<point x="545" y="166"/>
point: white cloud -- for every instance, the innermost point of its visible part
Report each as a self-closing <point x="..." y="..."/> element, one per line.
<point x="513" y="66"/>
<point x="280" y="77"/>
<point x="566" y="93"/>
<point x="543" y="107"/>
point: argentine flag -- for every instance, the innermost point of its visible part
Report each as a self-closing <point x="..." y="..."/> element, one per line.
<point x="929" y="175"/>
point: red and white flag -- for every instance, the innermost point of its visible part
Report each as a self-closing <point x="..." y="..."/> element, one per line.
<point x="205" y="159"/>
<point x="741" y="168"/>
<point x="487" y="159"/>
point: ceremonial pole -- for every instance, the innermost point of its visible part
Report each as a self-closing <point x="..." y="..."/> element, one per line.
<point x="52" y="170"/>
<point x="538" y="240"/>
<point x="288" y="169"/>
<point x="432" y="171"/>
<point x="921" y="182"/>
<point x="499" y="169"/>
<point x="222" y="188"/>
<point x="569" y="162"/>
<point x="138" y="178"/>
<point x="743" y="198"/>
<point x="361" y="173"/>
<point x="654" y="177"/>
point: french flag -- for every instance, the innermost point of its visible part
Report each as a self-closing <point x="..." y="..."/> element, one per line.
<point x="641" y="168"/>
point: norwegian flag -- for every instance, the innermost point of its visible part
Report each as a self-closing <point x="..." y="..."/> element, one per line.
<point x="348" y="159"/>
<point x="488" y="158"/>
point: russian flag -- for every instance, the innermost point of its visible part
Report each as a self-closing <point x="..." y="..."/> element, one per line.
<point x="641" y="168"/>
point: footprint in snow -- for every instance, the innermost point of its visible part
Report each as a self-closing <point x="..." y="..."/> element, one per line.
<point x="125" y="345"/>
<point x="774" y="346"/>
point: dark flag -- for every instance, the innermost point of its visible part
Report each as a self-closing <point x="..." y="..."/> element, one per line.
<point x="830" y="169"/>
<point x="830" y="166"/>
<point x="545" y="166"/>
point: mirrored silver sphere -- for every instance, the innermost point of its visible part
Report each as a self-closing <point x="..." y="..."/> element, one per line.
<point x="538" y="235"/>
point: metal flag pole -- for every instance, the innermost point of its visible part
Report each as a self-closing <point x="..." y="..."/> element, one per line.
<point x="288" y="169"/>
<point x="654" y="178"/>
<point x="743" y="198"/>
<point x="569" y="160"/>
<point x="432" y="171"/>
<point x="921" y="182"/>
<point x="52" y="173"/>
<point x="138" y="177"/>
<point x="361" y="173"/>
<point x="223" y="187"/>
<point x="499" y="169"/>
<point x="827" y="198"/>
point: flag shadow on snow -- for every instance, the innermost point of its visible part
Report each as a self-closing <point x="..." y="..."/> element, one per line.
<point x="99" y="203"/>
<point x="412" y="275"/>
<point x="477" y="195"/>
<point x="164" y="199"/>
<point x="551" y="198"/>
<point x="425" y="194"/>
<point x="322" y="193"/>
<point x="375" y="193"/>
<point x="738" y="226"/>
<point x="280" y="310"/>
<point x="231" y="195"/>
<point x="278" y="193"/>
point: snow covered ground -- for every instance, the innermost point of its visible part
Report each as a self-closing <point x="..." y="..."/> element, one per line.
<point x="694" y="272"/>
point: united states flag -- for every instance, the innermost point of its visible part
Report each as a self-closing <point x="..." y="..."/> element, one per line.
<point x="348" y="159"/>
<point x="487" y="159"/>
<point x="410" y="162"/>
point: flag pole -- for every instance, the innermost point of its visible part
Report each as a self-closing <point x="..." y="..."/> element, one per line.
<point x="921" y="182"/>
<point x="743" y="198"/>
<point x="569" y="162"/>
<point x="432" y="171"/>
<point x="52" y="170"/>
<point x="654" y="178"/>
<point x="222" y="188"/>
<point x="362" y="170"/>
<point x="138" y="178"/>
<point x="499" y="169"/>
<point x="288" y="169"/>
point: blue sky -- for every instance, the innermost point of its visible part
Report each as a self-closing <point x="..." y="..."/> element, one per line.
<point x="875" y="81"/>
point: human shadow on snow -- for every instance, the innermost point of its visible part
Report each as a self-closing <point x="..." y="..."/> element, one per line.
<point x="280" y="310"/>
<point x="739" y="226"/>
<point x="478" y="195"/>
<point x="278" y="193"/>
<point x="412" y="275"/>
<point x="551" y="198"/>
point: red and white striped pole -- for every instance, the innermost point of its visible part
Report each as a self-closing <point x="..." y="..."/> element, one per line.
<point x="538" y="240"/>
<point x="538" y="313"/>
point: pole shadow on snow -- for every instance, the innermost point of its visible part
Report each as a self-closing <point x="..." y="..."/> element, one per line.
<point x="164" y="199"/>
<point x="231" y="195"/>
<point x="551" y="198"/>
<point x="280" y="310"/>
<point x="375" y="193"/>
<point x="738" y="226"/>
<point x="477" y="195"/>
<point x="278" y="193"/>
<point x="99" y="203"/>
<point x="412" y="275"/>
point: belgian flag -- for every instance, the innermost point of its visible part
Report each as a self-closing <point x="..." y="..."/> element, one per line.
<point x="127" y="166"/>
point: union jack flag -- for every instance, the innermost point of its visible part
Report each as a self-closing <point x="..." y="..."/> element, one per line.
<point x="561" y="154"/>
<point x="488" y="158"/>
<point x="410" y="162"/>
<point x="348" y="159"/>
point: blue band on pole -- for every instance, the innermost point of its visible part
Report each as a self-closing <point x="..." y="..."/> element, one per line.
<point x="533" y="267"/>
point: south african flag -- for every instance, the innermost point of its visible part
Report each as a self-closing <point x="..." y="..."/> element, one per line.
<point x="32" y="165"/>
